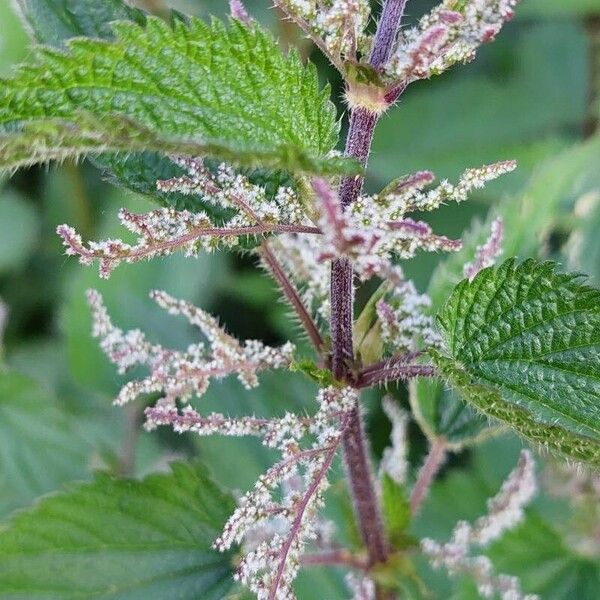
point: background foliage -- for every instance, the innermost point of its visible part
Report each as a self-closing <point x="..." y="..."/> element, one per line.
<point x="534" y="95"/>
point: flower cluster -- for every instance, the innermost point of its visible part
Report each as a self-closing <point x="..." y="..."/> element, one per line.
<point x="449" y="34"/>
<point x="298" y="255"/>
<point x="405" y="320"/>
<point x="178" y="375"/>
<point x="394" y="461"/>
<point x="486" y="254"/>
<point x="286" y="498"/>
<point x="505" y="510"/>
<point x="362" y="588"/>
<point x="165" y="231"/>
<point x="337" y="26"/>
<point x="365" y="237"/>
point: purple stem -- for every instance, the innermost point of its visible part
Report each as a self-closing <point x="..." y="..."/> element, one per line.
<point x="358" y="145"/>
<point x="390" y="371"/>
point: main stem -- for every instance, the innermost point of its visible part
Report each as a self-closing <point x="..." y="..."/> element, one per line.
<point x="358" y="145"/>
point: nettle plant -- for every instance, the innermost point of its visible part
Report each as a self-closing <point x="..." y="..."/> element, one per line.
<point x="519" y="342"/>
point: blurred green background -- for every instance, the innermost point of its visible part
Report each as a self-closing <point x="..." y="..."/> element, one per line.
<point x="533" y="95"/>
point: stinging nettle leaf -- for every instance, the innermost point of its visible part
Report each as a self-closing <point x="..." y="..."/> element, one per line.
<point x="523" y="346"/>
<point x="39" y="448"/>
<point x="120" y="539"/>
<point x="227" y="85"/>
<point x="528" y="217"/>
<point x="57" y="139"/>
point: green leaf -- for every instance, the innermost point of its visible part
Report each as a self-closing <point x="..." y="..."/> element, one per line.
<point x="57" y="139"/>
<point x="396" y="511"/>
<point x="18" y="230"/>
<point x="39" y="448"/>
<point x="120" y="539"/>
<point x="545" y="564"/>
<point x="227" y="85"/>
<point x="523" y="345"/>
<point x="528" y="216"/>
<point x="53" y="21"/>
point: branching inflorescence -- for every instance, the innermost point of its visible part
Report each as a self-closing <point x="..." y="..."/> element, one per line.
<point x="505" y="510"/>
<point x="298" y="232"/>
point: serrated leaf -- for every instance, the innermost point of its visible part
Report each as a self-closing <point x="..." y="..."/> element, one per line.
<point x="57" y="139"/>
<point x="527" y="216"/>
<point x="39" y="448"/>
<point x="120" y="539"/>
<point x="523" y="344"/>
<point x="228" y="85"/>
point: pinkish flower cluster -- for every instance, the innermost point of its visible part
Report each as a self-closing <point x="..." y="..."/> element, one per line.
<point x="505" y="511"/>
<point x="298" y="256"/>
<point x="449" y="34"/>
<point x="283" y="505"/>
<point x="165" y="231"/>
<point x="176" y="374"/>
<point x="487" y="253"/>
<point x="366" y="238"/>
<point x="338" y="27"/>
<point x="286" y="499"/>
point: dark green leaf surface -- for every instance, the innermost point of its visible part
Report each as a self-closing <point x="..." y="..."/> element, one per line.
<point x="524" y="347"/>
<point x="54" y="21"/>
<point x="120" y="539"/>
<point x="39" y="448"/>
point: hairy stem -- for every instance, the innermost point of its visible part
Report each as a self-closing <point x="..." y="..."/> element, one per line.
<point x="434" y="461"/>
<point x="358" y="145"/>
<point x="292" y="295"/>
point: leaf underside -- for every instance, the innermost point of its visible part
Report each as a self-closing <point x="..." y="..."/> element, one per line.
<point x="524" y="347"/>
<point x="120" y="539"/>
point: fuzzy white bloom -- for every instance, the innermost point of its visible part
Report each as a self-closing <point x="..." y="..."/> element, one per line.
<point x="342" y="25"/>
<point x="361" y="588"/>
<point x="279" y="516"/>
<point x="338" y="26"/>
<point x="365" y="238"/>
<point x="394" y="461"/>
<point x="505" y="511"/>
<point x="179" y="375"/>
<point x="166" y="230"/>
<point x="299" y="257"/>
<point x="446" y="36"/>
<point x="486" y="254"/>
<point x="409" y="194"/>
<point x="405" y="322"/>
